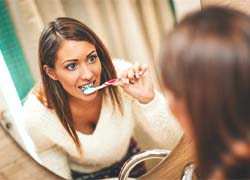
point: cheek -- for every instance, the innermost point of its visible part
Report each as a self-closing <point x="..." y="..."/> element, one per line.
<point x="174" y="106"/>
<point x="179" y="110"/>
<point x="67" y="78"/>
<point x="171" y="102"/>
<point x="98" y="69"/>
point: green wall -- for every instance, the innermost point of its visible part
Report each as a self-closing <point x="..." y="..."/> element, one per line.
<point x="13" y="54"/>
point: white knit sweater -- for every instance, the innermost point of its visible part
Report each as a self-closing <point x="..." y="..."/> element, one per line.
<point x="110" y="140"/>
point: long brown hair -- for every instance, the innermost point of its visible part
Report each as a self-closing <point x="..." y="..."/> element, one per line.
<point x="53" y="35"/>
<point x="205" y="62"/>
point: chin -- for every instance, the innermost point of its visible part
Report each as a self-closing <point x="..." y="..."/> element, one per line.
<point x="91" y="96"/>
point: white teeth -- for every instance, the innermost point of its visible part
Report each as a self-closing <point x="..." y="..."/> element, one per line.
<point x="88" y="85"/>
<point x="91" y="85"/>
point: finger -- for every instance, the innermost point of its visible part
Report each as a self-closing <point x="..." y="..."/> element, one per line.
<point x="137" y="67"/>
<point x="143" y="69"/>
<point x="130" y="76"/>
<point x="122" y="82"/>
<point x="131" y="73"/>
<point x="124" y="77"/>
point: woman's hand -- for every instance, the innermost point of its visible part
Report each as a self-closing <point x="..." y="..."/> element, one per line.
<point x="137" y="83"/>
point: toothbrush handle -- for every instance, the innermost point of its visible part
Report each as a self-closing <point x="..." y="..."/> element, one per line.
<point x="100" y="87"/>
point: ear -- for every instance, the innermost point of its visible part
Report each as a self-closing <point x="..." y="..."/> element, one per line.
<point x="50" y="72"/>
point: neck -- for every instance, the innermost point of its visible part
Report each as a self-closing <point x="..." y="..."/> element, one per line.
<point x="76" y="103"/>
<point x="85" y="112"/>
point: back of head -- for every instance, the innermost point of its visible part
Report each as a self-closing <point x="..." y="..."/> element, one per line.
<point x="205" y="62"/>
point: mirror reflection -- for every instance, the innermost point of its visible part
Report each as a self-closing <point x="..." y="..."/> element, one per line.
<point x="89" y="136"/>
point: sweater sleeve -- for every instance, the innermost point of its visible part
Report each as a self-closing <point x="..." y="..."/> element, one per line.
<point x="50" y="156"/>
<point x="158" y="122"/>
<point x="47" y="136"/>
<point x="154" y="118"/>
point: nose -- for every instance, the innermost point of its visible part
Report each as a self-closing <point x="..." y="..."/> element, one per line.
<point x="86" y="73"/>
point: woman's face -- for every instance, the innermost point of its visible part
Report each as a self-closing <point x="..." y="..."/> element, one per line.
<point x="76" y="66"/>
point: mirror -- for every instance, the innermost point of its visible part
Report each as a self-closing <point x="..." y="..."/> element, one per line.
<point x="131" y="30"/>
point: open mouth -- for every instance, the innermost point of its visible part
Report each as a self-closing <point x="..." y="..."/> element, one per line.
<point x="83" y="88"/>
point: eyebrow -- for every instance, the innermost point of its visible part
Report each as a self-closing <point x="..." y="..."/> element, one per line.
<point x="73" y="60"/>
<point x="90" y="53"/>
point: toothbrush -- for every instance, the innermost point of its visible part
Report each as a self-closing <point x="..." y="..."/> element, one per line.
<point x="91" y="89"/>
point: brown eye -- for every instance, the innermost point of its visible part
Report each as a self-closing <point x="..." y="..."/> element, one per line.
<point x="92" y="59"/>
<point x="71" y="66"/>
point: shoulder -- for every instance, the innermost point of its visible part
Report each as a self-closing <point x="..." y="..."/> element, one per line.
<point x="41" y="123"/>
<point x="37" y="115"/>
<point x="33" y="105"/>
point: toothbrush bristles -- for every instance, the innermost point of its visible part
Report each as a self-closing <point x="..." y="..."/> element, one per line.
<point x="87" y="87"/>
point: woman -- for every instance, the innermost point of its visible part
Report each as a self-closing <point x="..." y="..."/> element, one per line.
<point x="205" y="68"/>
<point x="90" y="135"/>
